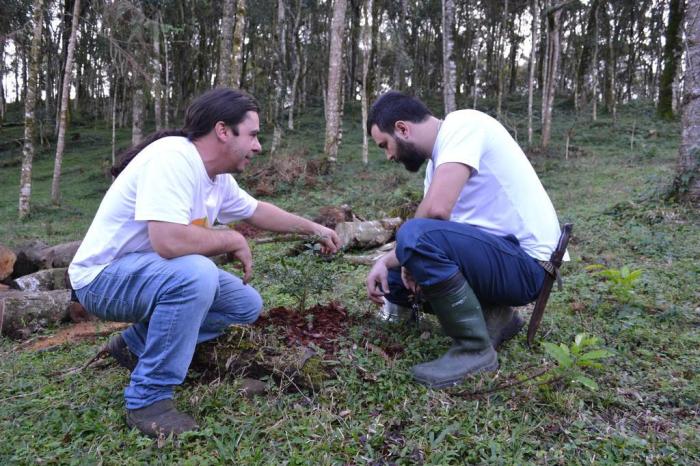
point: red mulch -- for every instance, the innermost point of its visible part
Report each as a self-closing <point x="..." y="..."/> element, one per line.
<point x="321" y="325"/>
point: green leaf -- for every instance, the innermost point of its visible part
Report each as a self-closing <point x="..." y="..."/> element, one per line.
<point x="562" y="357"/>
<point x="579" y="338"/>
<point x="595" y="354"/>
<point x="586" y="382"/>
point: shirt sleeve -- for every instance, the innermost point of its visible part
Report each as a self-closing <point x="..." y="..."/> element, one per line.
<point x="238" y="204"/>
<point x="165" y="189"/>
<point x="462" y="142"/>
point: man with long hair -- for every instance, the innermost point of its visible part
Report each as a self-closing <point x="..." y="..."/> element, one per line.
<point x="481" y="235"/>
<point x="145" y="259"/>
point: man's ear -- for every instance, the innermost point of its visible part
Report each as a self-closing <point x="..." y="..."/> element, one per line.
<point x="401" y="128"/>
<point x="221" y="130"/>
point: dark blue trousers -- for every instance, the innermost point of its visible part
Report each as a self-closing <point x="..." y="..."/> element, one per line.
<point x="496" y="268"/>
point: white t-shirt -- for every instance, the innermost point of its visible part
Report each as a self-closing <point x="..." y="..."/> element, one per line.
<point x="503" y="195"/>
<point x="165" y="182"/>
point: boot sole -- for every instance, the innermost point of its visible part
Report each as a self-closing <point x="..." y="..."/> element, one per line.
<point x="454" y="381"/>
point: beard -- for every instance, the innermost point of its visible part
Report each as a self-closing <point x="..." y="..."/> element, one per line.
<point x="409" y="155"/>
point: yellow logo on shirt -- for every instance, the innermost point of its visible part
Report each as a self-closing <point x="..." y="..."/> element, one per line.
<point x="201" y="222"/>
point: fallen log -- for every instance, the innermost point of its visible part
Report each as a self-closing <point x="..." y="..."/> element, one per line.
<point x="37" y="255"/>
<point x="369" y="234"/>
<point x="43" y="280"/>
<point x="371" y="258"/>
<point x="25" y="312"/>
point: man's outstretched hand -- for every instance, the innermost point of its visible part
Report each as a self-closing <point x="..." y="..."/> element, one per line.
<point x="330" y="242"/>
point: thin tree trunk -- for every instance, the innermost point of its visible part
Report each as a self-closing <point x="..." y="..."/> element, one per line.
<point x="672" y="55"/>
<point x="335" y="80"/>
<point x="2" y="83"/>
<point x="65" y="94"/>
<point x="501" y="68"/>
<point x="594" y="84"/>
<point x="476" y="75"/>
<point x="25" y="187"/>
<point x="226" y="47"/>
<point x="366" y="53"/>
<point x="553" y="27"/>
<point x="531" y="79"/>
<point x="449" y="71"/>
<point x="296" y="66"/>
<point x="166" y="110"/>
<point x="157" y="86"/>
<point x="280" y="83"/>
<point x="114" y="122"/>
<point x="137" y="113"/>
<point x="687" y="182"/>
<point x="238" y="38"/>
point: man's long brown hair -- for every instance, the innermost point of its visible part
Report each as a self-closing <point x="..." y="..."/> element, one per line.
<point x="221" y="104"/>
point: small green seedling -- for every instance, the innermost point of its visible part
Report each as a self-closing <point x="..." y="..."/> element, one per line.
<point x="302" y="277"/>
<point x="574" y="360"/>
<point x="621" y="282"/>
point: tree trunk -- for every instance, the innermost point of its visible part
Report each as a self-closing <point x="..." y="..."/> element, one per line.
<point x="531" y="79"/>
<point x="156" y="70"/>
<point x="25" y="187"/>
<point x="226" y="46"/>
<point x="499" y="61"/>
<point x="449" y="72"/>
<point x="687" y="182"/>
<point x="334" y="112"/>
<point x="366" y="52"/>
<point x="166" y="109"/>
<point x="585" y="59"/>
<point x="238" y="38"/>
<point x="65" y="94"/>
<point x="672" y="54"/>
<point x="296" y="66"/>
<point x="2" y="80"/>
<point x="137" y="114"/>
<point x="553" y="28"/>
<point x="280" y="81"/>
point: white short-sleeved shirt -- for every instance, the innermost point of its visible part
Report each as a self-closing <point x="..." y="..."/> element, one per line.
<point x="503" y="195"/>
<point x="165" y="182"/>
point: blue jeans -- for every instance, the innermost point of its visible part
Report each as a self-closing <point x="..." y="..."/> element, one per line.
<point x="174" y="304"/>
<point x="496" y="268"/>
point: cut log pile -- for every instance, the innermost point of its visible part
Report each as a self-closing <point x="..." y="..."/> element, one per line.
<point x="35" y="293"/>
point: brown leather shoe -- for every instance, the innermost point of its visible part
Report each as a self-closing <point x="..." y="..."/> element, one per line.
<point x="160" y="418"/>
<point x="118" y="349"/>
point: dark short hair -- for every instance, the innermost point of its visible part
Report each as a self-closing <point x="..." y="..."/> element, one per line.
<point x="393" y="106"/>
<point x="220" y="104"/>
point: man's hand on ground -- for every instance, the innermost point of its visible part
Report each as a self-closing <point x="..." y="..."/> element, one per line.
<point x="241" y="251"/>
<point x="377" y="282"/>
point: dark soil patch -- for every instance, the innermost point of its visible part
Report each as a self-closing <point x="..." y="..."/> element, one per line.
<point x="322" y="325"/>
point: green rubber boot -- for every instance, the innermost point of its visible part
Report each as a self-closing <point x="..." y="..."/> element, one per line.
<point x="503" y="323"/>
<point x="460" y="316"/>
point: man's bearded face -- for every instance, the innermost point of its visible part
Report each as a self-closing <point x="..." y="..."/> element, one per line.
<point x="409" y="155"/>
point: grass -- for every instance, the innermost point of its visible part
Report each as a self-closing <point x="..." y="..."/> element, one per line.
<point x="646" y="410"/>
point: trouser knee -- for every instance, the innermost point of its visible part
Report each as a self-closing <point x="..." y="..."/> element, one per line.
<point x="197" y="276"/>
